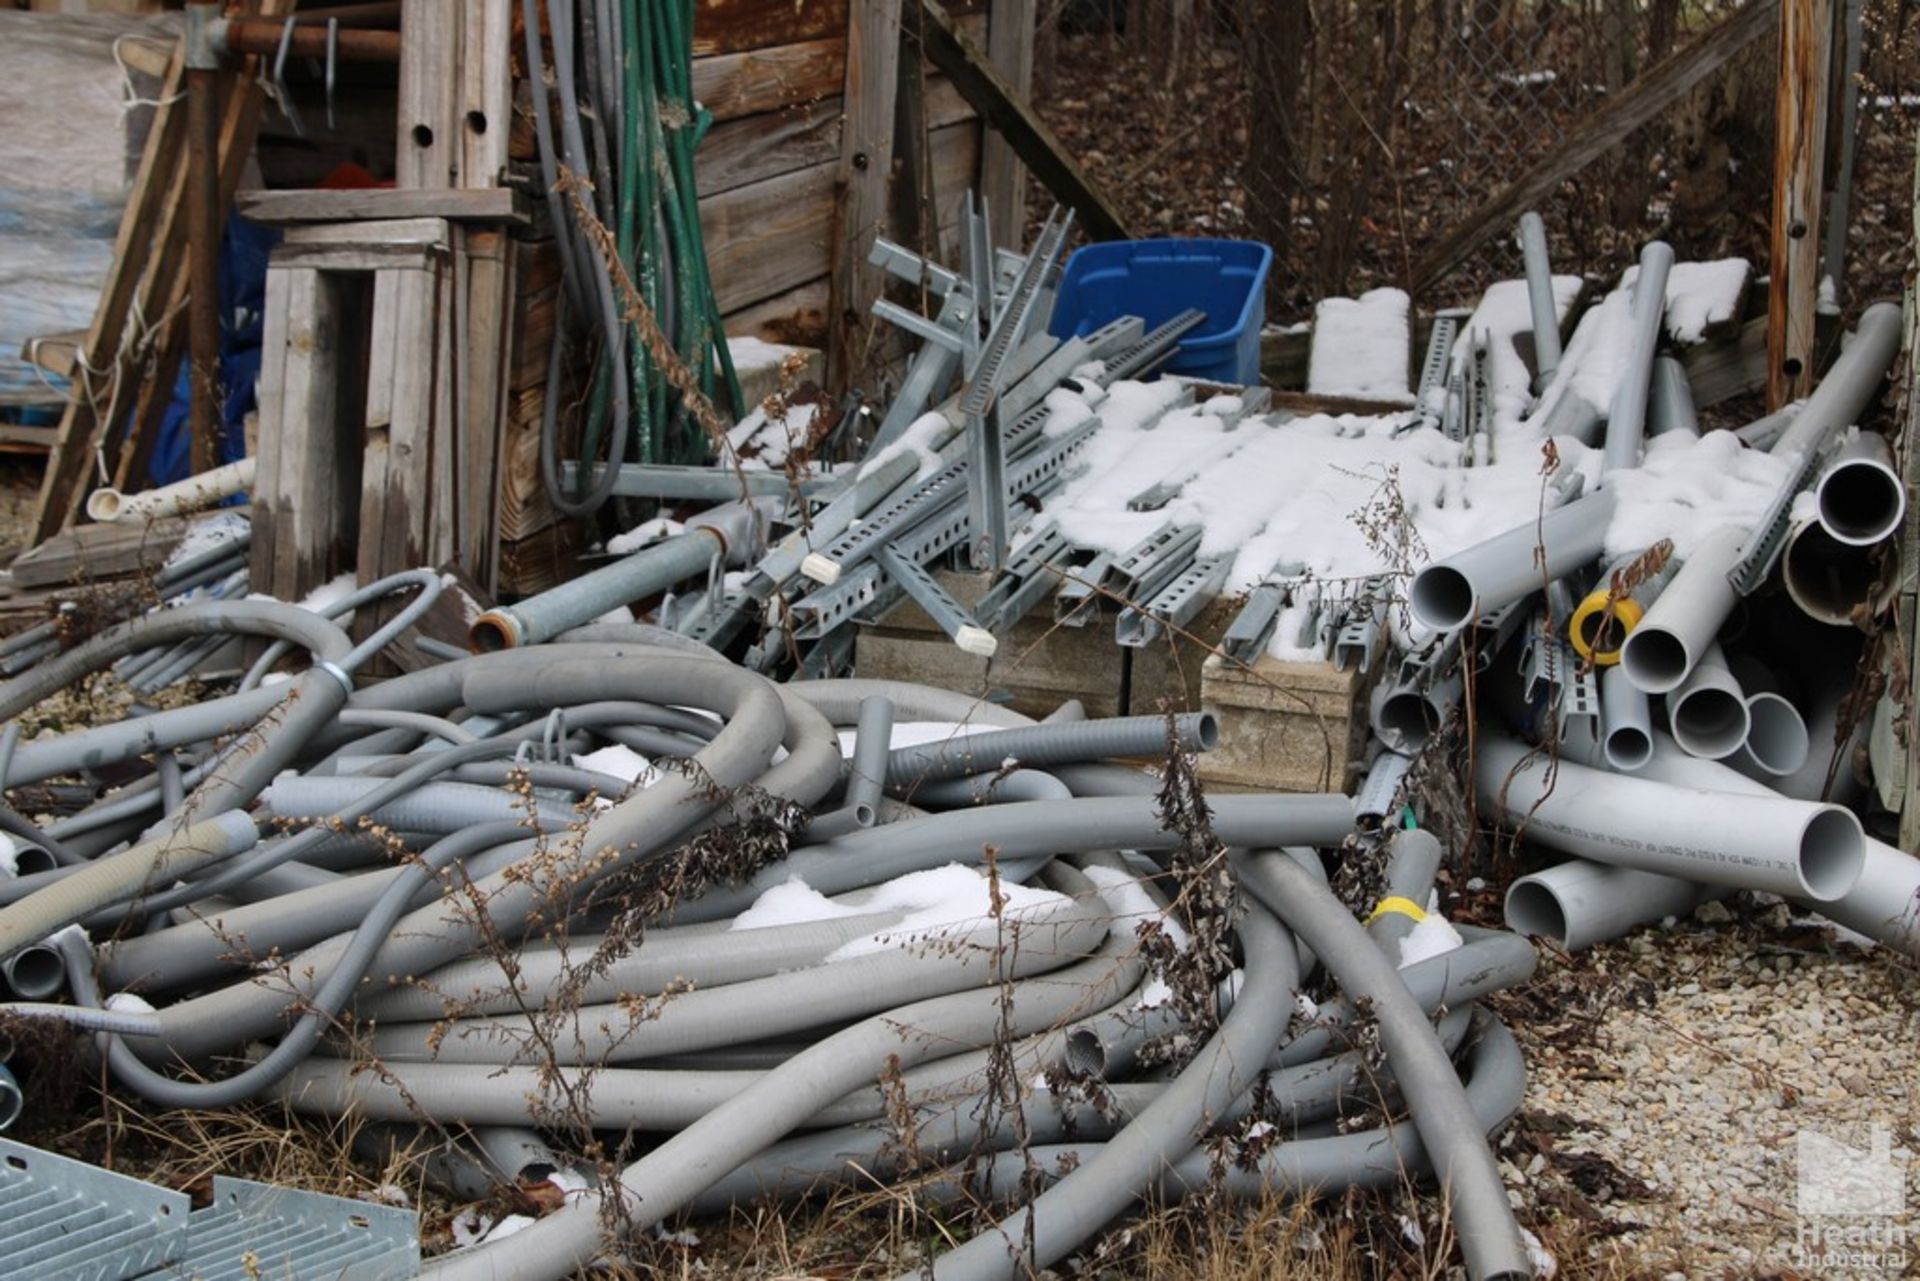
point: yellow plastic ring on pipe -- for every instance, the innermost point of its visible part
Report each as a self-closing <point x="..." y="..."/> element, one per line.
<point x="1393" y="903"/>
<point x="1587" y="620"/>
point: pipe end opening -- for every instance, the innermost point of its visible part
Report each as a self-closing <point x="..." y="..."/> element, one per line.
<point x="1832" y="853"/>
<point x="1407" y="721"/>
<point x="1655" y="660"/>
<point x="1777" y="740"/>
<point x="1709" y="722"/>
<point x="1859" y="503"/>
<point x="1206" y="732"/>
<point x="1086" y="1054"/>
<point x="1629" y="748"/>
<point x="1442" y="598"/>
<point x="36" y="973"/>
<point x="1534" y="910"/>
<point x="491" y="633"/>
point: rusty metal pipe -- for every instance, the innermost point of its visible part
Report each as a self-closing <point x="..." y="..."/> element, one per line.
<point x="262" y="36"/>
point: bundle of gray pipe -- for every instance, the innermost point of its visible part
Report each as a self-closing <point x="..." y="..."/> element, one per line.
<point x="448" y="873"/>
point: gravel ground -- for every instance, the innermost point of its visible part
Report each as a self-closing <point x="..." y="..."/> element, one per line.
<point x="1671" y="1077"/>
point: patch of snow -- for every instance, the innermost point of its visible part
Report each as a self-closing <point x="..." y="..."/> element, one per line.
<point x="619" y="761"/>
<point x="209" y="532"/>
<point x="1688" y="488"/>
<point x="1361" y="346"/>
<point x="915" y="734"/>
<point x="647" y="531"/>
<point x="128" y="1003"/>
<point x="941" y="900"/>
<point x="1545" y="1266"/>
<point x="1433" y="935"/>
<point x="1699" y="295"/>
<point x="923" y="436"/>
<point x="751" y="354"/>
<point x="1132" y="905"/>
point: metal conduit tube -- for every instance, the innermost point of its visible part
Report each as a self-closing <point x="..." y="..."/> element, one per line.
<point x="1074" y="1209"/>
<point x="1774" y="844"/>
<point x="1474" y="582"/>
<point x="1860" y="497"/>
<point x="1454" y="1137"/>
<point x="430" y="582"/>
<point x="1578" y="903"/>
<point x="835" y="991"/>
<point x="872" y="748"/>
<point x="1545" y="311"/>
<point x="1682" y="624"/>
<point x="686" y="1164"/>
<point x="1059" y="743"/>
<point x="635" y="577"/>
<point x="1627" y="418"/>
<point x="637" y="828"/>
<point x="1025" y="830"/>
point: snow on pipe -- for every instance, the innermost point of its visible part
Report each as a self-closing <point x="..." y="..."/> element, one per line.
<point x="1546" y="315"/>
<point x="1474" y="582"/>
<point x="1860" y="497"/>
<point x="644" y="573"/>
<point x="1579" y="903"/>
<point x="1670" y="400"/>
<point x="1627" y="718"/>
<point x="1681" y="625"/>
<point x="1627" y="418"/>
<point x="191" y="494"/>
<point x="1835" y="582"/>
<point x="1783" y="846"/>
<point x="1708" y="712"/>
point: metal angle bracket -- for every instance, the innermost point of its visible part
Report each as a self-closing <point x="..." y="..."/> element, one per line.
<point x="904" y="264"/>
<point x="1174" y="605"/>
<point x="1763" y="546"/>
<point x="947" y="613"/>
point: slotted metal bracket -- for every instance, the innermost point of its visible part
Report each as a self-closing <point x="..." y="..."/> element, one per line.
<point x="948" y="614"/>
<point x="254" y="1230"/>
<point x="1174" y="605"/>
<point x="65" y="1220"/>
<point x="1762" y="548"/>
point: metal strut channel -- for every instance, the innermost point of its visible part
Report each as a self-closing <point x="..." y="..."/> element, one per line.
<point x="1156" y="347"/>
<point x="1175" y="604"/>
<point x="1075" y="603"/>
<point x="947" y="613"/>
<point x="1150" y="563"/>
<point x="1247" y="635"/>
<point x="1024" y="581"/>
<point x="980" y="405"/>
<point x="1769" y="536"/>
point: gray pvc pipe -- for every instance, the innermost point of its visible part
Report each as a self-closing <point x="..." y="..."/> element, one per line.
<point x="1708" y="710"/>
<point x="1627" y="719"/>
<point x="1681" y="625"/>
<point x="684" y="1165"/>
<point x="1627" y="419"/>
<point x="436" y="808"/>
<point x="1056" y="1222"/>
<point x="872" y="747"/>
<point x="1670" y="401"/>
<point x="1860" y="497"/>
<point x="1774" y="844"/>
<point x="1777" y="741"/>
<point x="583" y="599"/>
<point x="1577" y="904"/>
<point x="1413" y="860"/>
<point x="1024" y="831"/>
<point x="35" y="973"/>
<point x="1472" y="583"/>
<point x="1490" y="1239"/>
<point x="1043" y="745"/>
<point x="1407" y="715"/>
<point x="1840" y="398"/>
<point x="992" y="789"/>
<point x="1546" y="313"/>
<point x="639" y="827"/>
<point x="1884" y="902"/>
<point x="1834" y="582"/>
<point x="921" y="966"/>
<point x="704" y="959"/>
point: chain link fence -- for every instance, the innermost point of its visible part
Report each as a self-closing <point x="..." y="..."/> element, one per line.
<point x="1353" y="134"/>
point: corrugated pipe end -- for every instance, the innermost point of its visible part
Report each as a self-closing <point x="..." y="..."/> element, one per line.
<point x="1598" y="636"/>
<point x="1833" y="851"/>
<point x="1206" y="732"/>
<point x="1442" y="598"/>
<point x="11" y="1101"/>
<point x="493" y="631"/>
<point x="104" y="504"/>
<point x="1535" y="911"/>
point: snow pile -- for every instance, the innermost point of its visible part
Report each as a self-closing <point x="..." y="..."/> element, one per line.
<point x="1431" y="936"/>
<point x="1700" y="295"/>
<point x="923" y="437"/>
<point x="649" y="531"/>
<point x="954" y="899"/>
<point x="1361" y="347"/>
<point x="1686" y="489"/>
<point x="619" y="761"/>
<point x="760" y="443"/>
<point x="209" y="532"/>
<point x="915" y="734"/>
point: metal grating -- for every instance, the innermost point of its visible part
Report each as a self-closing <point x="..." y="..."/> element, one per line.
<point x="65" y="1220"/>
<point x="254" y="1231"/>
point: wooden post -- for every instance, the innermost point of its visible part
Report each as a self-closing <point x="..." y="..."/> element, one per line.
<point x="1003" y="182"/>
<point x="1806" y="30"/>
<point x="860" y="183"/>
